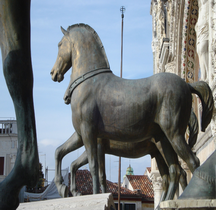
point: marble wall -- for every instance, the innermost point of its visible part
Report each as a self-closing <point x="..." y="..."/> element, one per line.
<point x="184" y="43"/>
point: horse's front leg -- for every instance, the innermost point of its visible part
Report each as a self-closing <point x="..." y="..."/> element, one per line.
<point x="75" y="165"/>
<point x="16" y="57"/>
<point x="90" y="141"/>
<point x="73" y="143"/>
<point x="101" y="164"/>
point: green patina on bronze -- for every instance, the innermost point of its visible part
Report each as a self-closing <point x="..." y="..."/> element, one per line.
<point x="16" y="57"/>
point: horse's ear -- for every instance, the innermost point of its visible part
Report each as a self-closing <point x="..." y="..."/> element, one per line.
<point x="64" y="31"/>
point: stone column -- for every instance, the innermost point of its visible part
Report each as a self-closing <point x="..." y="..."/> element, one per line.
<point x="157" y="187"/>
<point x="212" y="57"/>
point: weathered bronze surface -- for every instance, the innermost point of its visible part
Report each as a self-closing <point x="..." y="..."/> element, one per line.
<point x="16" y="57"/>
<point x="129" y="150"/>
<point x="108" y="107"/>
<point x="203" y="182"/>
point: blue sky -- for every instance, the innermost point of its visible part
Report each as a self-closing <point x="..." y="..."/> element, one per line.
<point x="53" y="117"/>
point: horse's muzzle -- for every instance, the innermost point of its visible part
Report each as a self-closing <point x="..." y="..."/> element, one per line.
<point x="56" y="76"/>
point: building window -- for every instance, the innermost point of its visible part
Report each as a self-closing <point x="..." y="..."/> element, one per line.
<point x="126" y="206"/>
<point x="129" y="206"/>
<point x="116" y="206"/>
<point x="1" y="165"/>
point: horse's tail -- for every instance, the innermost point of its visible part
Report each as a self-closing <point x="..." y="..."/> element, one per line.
<point x="193" y="129"/>
<point x="204" y="92"/>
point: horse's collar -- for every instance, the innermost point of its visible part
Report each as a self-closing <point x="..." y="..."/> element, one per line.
<point x="81" y="79"/>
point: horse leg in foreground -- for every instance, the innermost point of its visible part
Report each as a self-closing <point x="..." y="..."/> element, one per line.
<point x="90" y="142"/>
<point x="75" y="165"/>
<point x="16" y="56"/>
<point x="73" y="143"/>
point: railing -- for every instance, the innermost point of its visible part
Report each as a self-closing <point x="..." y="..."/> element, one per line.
<point x="8" y="127"/>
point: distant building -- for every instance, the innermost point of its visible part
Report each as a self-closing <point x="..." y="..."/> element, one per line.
<point x="130" y="199"/>
<point x="8" y="146"/>
<point x="141" y="185"/>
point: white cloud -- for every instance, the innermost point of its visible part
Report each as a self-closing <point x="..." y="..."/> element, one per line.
<point x="49" y="142"/>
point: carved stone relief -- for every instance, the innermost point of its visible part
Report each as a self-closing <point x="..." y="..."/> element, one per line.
<point x="202" y="32"/>
<point x="171" y="67"/>
<point x="188" y="65"/>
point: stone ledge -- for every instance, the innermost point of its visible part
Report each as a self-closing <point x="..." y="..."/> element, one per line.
<point x="201" y="204"/>
<point x="90" y="202"/>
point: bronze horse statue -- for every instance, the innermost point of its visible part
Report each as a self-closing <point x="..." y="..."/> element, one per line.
<point x="170" y="179"/>
<point x="108" y="107"/>
<point x="16" y="59"/>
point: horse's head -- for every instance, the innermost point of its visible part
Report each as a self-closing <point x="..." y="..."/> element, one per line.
<point x="64" y="58"/>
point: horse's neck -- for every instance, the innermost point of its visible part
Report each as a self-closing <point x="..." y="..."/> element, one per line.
<point x="84" y="61"/>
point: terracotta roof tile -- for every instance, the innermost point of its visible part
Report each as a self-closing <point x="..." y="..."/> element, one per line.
<point x="149" y="169"/>
<point x="85" y="186"/>
<point x="142" y="183"/>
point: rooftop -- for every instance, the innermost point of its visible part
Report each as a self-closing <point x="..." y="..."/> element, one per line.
<point x="142" y="183"/>
<point x="84" y="186"/>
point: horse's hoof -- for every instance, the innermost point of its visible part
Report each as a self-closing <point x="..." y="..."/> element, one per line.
<point x="75" y="194"/>
<point x="63" y="190"/>
<point x="158" y="207"/>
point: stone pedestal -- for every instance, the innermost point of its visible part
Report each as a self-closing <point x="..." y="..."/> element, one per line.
<point x="90" y="202"/>
<point x="189" y="204"/>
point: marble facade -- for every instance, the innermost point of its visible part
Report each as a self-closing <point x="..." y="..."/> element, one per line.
<point x="184" y="43"/>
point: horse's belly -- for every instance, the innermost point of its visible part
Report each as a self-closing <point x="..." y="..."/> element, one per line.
<point x="125" y="133"/>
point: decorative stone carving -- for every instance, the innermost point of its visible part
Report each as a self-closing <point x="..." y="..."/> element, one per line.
<point x="157" y="186"/>
<point x="213" y="123"/>
<point x="171" y="67"/>
<point x="212" y="57"/>
<point x="161" y="20"/>
<point x="188" y="66"/>
<point x="202" y="31"/>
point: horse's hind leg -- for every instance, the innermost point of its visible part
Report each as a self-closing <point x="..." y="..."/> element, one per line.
<point x="180" y="146"/>
<point x="73" y="143"/>
<point x="75" y="165"/>
<point x="173" y="123"/>
<point x="164" y="172"/>
<point x="172" y="160"/>
<point x="183" y="179"/>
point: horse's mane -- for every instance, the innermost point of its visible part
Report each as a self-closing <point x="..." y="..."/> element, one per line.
<point x="95" y="35"/>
